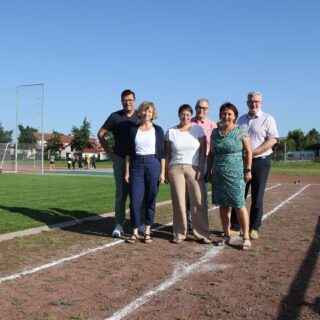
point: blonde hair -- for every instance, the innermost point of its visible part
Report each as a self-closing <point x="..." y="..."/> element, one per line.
<point x="145" y="105"/>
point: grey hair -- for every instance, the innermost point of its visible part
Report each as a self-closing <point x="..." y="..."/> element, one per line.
<point x="202" y="99"/>
<point x="254" y="93"/>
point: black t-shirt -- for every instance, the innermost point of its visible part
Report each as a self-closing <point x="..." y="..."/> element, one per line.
<point x="119" y="124"/>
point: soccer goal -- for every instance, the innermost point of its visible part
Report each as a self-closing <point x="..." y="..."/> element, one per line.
<point x="7" y="157"/>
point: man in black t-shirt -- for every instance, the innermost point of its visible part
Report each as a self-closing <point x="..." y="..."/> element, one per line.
<point x="119" y="123"/>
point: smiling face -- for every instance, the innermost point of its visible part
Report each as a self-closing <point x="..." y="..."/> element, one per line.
<point x="202" y="109"/>
<point x="146" y="114"/>
<point x="185" y="117"/>
<point x="254" y="104"/>
<point x="128" y="103"/>
<point x="227" y="117"/>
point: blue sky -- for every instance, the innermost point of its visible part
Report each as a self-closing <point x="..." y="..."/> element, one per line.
<point x="170" y="52"/>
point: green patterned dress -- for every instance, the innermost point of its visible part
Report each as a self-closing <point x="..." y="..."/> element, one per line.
<point x="228" y="186"/>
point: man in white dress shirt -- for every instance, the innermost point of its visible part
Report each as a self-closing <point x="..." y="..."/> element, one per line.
<point x="263" y="133"/>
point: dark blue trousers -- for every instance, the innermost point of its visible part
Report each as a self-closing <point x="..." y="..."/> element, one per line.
<point x="260" y="171"/>
<point x="144" y="183"/>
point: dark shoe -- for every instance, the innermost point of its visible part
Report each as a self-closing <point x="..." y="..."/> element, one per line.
<point x="225" y="240"/>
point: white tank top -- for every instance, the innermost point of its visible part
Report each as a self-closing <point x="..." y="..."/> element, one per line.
<point x="145" y="142"/>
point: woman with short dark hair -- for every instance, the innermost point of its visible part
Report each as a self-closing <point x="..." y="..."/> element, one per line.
<point x="229" y="168"/>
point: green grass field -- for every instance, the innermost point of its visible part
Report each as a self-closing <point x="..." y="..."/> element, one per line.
<point x="301" y="168"/>
<point x="32" y="200"/>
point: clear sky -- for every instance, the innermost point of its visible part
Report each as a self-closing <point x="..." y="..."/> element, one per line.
<point x="168" y="51"/>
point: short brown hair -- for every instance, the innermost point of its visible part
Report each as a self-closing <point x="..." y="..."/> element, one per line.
<point x="229" y="105"/>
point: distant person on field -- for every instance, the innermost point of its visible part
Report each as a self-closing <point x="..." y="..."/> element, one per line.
<point x="86" y="162"/>
<point x="263" y="134"/>
<point x="201" y="119"/>
<point x="93" y="162"/>
<point x="79" y="159"/>
<point x="73" y="162"/>
<point x="145" y="169"/>
<point x="119" y="124"/>
<point x="69" y="161"/>
<point x="52" y="161"/>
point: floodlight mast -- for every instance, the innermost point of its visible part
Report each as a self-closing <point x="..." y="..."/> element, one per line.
<point x="42" y="123"/>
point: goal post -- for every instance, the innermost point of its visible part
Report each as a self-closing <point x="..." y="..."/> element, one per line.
<point x="30" y="110"/>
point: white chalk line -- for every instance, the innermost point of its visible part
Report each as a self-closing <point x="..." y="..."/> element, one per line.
<point x="183" y="272"/>
<point x="82" y="253"/>
<point x="265" y="216"/>
<point x="66" y="259"/>
<point x="177" y="275"/>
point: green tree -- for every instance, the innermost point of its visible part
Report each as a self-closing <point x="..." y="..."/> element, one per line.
<point x="5" y="136"/>
<point x="54" y="143"/>
<point x="26" y="135"/>
<point x="311" y="138"/>
<point x="109" y="139"/>
<point x="81" y="136"/>
<point x="297" y="136"/>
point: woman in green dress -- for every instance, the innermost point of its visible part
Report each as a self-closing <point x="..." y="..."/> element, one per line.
<point x="229" y="168"/>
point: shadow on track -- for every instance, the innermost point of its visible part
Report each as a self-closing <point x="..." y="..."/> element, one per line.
<point x="291" y="305"/>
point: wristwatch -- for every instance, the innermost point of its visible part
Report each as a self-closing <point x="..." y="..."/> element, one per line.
<point x="246" y="170"/>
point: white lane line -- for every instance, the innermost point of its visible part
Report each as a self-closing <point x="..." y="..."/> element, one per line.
<point x="177" y="275"/>
<point x="185" y="271"/>
<point x="73" y="257"/>
<point x="284" y="202"/>
<point x="82" y="253"/>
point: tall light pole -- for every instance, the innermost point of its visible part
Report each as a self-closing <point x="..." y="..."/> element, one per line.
<point x="42" y="122"/>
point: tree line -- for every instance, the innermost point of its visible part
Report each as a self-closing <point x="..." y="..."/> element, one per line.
<point x="296" y="140"/>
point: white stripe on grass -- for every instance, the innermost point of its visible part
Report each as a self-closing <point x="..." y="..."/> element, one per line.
<point x="83" y="253"/>
<point x="183" y="272"/>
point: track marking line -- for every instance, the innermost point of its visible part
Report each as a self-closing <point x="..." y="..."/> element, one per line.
<point x="178" y="274"/>
<point x="184" y="272"/>
<point x="83" y="253"/>
<point x="265" y="216"/>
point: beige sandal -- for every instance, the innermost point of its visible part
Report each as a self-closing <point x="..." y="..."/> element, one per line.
<point x="246" y="245"/>
<point x="133" y="238"/>
<point x="225" y="240"/>
<point x="147" y="238"/>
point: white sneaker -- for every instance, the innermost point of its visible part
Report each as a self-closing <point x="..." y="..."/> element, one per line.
<point x="117" y="231"/>
<point x="142" y="229"/>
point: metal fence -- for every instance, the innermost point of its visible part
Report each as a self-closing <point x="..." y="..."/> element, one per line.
<point x="20" y="158"/>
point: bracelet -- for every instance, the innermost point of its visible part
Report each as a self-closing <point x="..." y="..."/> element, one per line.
<point x="247" y="170"/>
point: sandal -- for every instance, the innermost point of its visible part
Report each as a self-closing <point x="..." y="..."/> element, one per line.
<point x="205" y="241"/>
<point x="147" y="238"/>
<point x="225" y="240"/>
<point x="133" y="238"/>
<point x="246" y="245"/>
<point x="176" y="240"/>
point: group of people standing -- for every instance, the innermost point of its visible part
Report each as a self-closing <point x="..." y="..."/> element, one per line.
<point x="231" y="154"/>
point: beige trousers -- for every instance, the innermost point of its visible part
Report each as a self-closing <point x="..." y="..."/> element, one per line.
<point x="182" y="176"/>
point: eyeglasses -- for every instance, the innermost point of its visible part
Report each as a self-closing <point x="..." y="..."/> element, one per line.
<point x="202" y="108"/>
<point x="254" y="101"/>
<point x="127" y="100"/>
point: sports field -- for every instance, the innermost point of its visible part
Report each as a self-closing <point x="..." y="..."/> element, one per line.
<point x="80" y="272"/>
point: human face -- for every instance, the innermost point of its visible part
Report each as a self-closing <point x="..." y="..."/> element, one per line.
<point x="128" y="103"/>
<point x="202" y="109"/>
<point x="147" y="114"/>
<point x="254" y="104"/>
<point x="227" y="117"/>
<point x="185" y="117"/>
